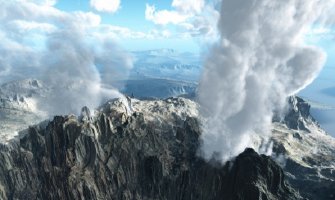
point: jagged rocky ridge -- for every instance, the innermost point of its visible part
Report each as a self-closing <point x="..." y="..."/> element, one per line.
<point x="18" y="106"/>
<point x="307" y="151"/>
<point x="131" y="150"/>
<point x="298" y="116"/>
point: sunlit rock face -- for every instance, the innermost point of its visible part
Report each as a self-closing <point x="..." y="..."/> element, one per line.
<point x="26" y="102"/>
<point x="131" y="149"/>
<point x="305" y="151"/>
<point x="297" y="115"/>
<point x="19" y="107"/>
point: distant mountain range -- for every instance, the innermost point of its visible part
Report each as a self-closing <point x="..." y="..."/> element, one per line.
<point x="149" y="148"/>
<point x="166" y="64"/>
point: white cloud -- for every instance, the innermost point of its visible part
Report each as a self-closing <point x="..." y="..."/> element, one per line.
<point x="61" y="48"/>
<point x="189" y="6"/>
<point x="29" y="26"/>
<point x="192" y="17"/>
<point x="164" y="17"/>
<point x="120" y="33"/>
<point x="110" y="6"/>
<point x="260" y="59"/>
<point x="41" y="2"/>
<point x="87" y="19"/>
<point x="320" y="32"/>
<point x="315" y="34"/>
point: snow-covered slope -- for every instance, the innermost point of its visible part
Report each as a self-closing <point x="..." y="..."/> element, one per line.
<point x="308" y="158"/>
<point x="299" y="144"/>
<point x="18" y="107"/>
<point x="21" y="102"/>
<point x="131" y="149"/>
<point x="166" y="64"/>
<point x="306" y="151"/>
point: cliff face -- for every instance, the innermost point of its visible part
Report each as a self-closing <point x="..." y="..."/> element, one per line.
<point x="298" y="116"/>
<point x="131" y="150"/>
<point x="307" y="151"/>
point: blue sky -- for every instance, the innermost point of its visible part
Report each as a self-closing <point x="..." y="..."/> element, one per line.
<point x="131" y="14"/>
<point x="184" y="25"/>
<point x="316" y="91"/>
<point x="33" y="31"/>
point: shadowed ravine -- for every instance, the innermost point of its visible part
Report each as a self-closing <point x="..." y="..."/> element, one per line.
<point x="131" y="149"/>
<point x="118" y="155"/>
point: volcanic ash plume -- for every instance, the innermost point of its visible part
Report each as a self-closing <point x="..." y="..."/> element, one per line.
<point x="260" y="60"/>
<point x="69" y="51"/>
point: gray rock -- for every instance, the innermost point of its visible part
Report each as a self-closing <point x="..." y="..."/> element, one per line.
<point x="148" y="153"/>
<point x="85" y="115"/>
<point x="298" y="116"/>
<point x="308" y="151"/>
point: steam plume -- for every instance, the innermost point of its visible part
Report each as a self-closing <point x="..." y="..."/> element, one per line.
<point x="63" y="49"/>
<point x="260" y="60"/>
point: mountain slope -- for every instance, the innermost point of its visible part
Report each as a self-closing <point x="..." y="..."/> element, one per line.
<point x="300" y="146"/>
<point x="131" y="150"/>
<point x="18" y="107"/>
<point x="308" y="151"/>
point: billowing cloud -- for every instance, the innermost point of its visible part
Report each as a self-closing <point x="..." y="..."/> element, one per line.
<point x="193" y="17"/>
<point x="67" y="51"/>
<point x="119" y="32"/>
<point x="189" y="6"/>
<point x="41" y="2"/>
<point x="110" y="6"/>
<point x="260" y="59"/>
<point x="164" y="17"/>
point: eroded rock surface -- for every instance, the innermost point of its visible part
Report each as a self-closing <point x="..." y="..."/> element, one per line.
<point x="307" y="152"/>
<point x="131" y="150"/>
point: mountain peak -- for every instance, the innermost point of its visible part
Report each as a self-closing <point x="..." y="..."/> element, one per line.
<point x="148" y="154"/>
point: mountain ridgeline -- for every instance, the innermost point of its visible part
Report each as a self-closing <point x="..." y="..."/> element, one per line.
<point x="131" y="149"/>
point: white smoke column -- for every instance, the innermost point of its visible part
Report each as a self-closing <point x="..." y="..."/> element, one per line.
<point x="76" y="62"/>
<point x="71" y="72"/>
<point x="260" y="60"/>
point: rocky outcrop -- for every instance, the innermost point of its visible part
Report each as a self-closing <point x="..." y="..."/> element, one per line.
<point x="298" y="116"/>
<point x="252" y="176"/>
<point x="131" y="150"/>
<point x="306" y="151"/>
<point x="18" y="107"/>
